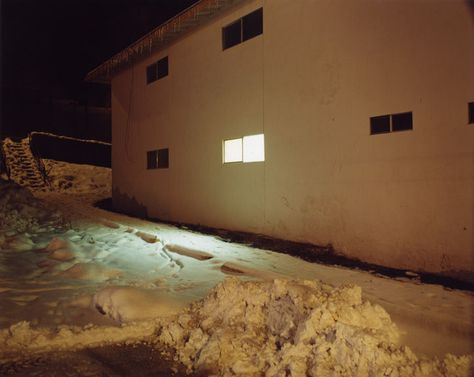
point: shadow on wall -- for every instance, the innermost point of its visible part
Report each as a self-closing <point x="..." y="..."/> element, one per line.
<point x="129" y="205"/>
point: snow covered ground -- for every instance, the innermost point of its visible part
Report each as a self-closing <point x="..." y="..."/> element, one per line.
<point x="74" y="276"/>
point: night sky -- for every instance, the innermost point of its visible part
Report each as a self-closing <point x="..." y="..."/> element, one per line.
<point x="48" y="46"/>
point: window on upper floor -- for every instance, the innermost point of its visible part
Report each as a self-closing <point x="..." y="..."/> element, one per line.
<point x="243" y="29"/>
<point x="157" y="70"/>
<point x="470" y="110"/>
<point x="391" y="123"/>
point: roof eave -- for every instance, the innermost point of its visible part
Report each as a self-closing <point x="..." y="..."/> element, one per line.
<point x="159" y="38"/>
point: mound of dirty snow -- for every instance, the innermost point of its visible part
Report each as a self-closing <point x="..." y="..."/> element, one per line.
<point x="295" y="328"/>
<point x="21" y="337"/>
<point x="125" y="304"/>
<point x="21" y="212"/>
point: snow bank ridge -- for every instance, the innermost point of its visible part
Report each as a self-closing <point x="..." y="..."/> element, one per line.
<point x="295" y="328"/>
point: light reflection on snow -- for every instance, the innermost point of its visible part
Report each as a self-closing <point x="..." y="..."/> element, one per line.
<point x="56" y="272"/>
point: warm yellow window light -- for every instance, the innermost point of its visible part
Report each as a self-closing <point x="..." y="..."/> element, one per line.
<point x="254" y="148"/>
<point x="233" y="150"/>
<point x="245" y="149"/>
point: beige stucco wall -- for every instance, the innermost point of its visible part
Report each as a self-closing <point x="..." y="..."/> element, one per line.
<point x="310" y="84"/>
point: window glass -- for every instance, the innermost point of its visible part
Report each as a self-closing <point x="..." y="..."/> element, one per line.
<point x="254" y="148"/>
<point x="402" y="122"/>
<point x="232" y="34"/>
<point x="162" y="67"/>
<point x="252" y="24"/>
<point x="152" y="160"/>
<point x="380" y="124"/>
<point x="233" y="150"/>
<point x="471" y="112"/>
<point x="163" y="158"/>
<point x="151" y="73"/>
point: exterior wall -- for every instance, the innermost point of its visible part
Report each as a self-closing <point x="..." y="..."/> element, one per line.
<point x="310" y="83"/>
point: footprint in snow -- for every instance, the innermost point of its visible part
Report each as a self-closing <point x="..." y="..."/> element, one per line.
<point x="189" y="252"/>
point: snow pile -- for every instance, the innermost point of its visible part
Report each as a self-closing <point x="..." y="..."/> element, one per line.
<point x="295" y="328"/>
<point x="21" y="337"/>
<point x="78" y="178"/>
<point x="21" y="212"/>
<point x="125" y="304"/>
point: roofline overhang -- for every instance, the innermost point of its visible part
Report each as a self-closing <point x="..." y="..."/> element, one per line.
<point x="157" y="39"/>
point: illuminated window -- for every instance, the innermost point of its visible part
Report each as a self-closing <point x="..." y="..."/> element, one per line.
<point x="471" y="112"/>
<point x="254" y="148"/>
<point x="243" y="29"/>
<point x="157" y="70"/>
<point x="244" y="149"/>
<point x="391" y="123"/>
<point x="233" y="150"/>
<point x="158" y="159"/>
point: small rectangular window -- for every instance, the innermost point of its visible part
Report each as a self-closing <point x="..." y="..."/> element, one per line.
<point x="162" y="68"/>
<point x="402" y="122"/>
<point x="252" y="24"/>
<point x="243" y="29"/>
<point x="471" y="112"/>
<point x="151" y="73"/>
<point x="158" y="159"/>
<point x="163" y="158"/>
<point x="244" y="149"/>
<point x="233" y="150"/>
<point x="254" y="148"/>
<point x="151" y="159"/>
<point x="157" y="70"/>
<point x="232" y="35"/>
<point x="391" y="123"/>
<point x="380" y="124"/>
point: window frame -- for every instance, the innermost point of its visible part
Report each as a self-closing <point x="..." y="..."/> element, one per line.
<point x="242" y="154"/>
<point x="259" y="13"/>
<point x="240" y="22"/>
<point x="158" y="70"/>
<point x="155" y="162"/>
<point x="224" y="161"/>
<point x="225" y="28"/>
<point x="391" y="123"/>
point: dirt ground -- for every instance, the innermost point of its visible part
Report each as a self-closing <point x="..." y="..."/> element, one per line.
<point x="138" y="360"/>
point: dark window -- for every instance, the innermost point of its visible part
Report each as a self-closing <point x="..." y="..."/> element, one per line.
<point x="163" y="158"/>
<point x="157" y="70"/>
<point x="158" y="159"/>
<point x="402" y="122"/>
<point x="380" y="124"/>
<point x="243" y="29"/>
<point x="391" y="123"/>
<point x="471" y="112"/>
<point x="151" y="73"/>
<point x="162" y="67"/>
<point x="152" y="159"/>
<point x="232" y="35"/>
<point x="252" y="24"/>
